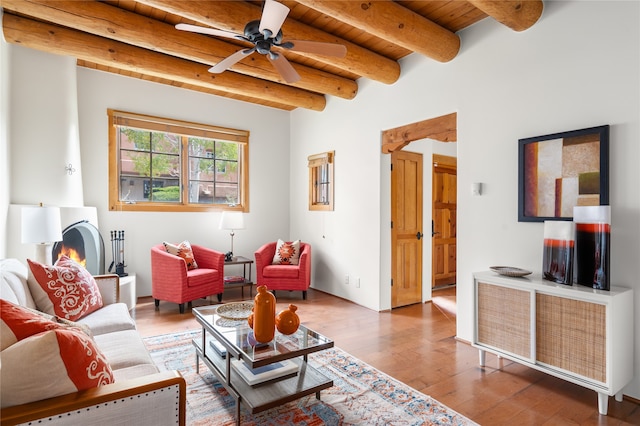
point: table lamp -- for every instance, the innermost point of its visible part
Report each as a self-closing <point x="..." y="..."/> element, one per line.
<point x="232" y="220"/>
<point x="41" y="226"/>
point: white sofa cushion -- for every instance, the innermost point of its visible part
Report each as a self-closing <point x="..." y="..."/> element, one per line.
<point x="109" y="318"/>
<point x="123" y="349"/>
<point x="134" y="372"/>
<point x="13" y="283"/>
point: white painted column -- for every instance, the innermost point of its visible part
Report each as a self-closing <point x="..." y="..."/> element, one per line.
<point x="44" y="134"/>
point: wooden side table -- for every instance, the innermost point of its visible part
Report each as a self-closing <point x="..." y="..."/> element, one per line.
<point x="233" y="281"/>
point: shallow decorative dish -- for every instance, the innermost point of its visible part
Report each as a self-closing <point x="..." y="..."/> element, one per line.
<point x="235" y="310"/>
<point x="510" y="271"/>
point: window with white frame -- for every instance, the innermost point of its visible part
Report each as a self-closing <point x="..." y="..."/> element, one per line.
<point x="159" y="164"/>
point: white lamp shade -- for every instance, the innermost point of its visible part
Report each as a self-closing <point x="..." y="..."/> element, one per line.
<point x="41" y="224"/>
<point x="232" y="220"/>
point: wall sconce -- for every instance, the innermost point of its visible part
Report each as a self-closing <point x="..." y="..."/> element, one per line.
<point x="476" y="188"/>
<point x="41" y="225"/>
<point x="69" y="169"/>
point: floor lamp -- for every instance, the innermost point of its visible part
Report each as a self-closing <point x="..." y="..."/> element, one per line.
<point x="232" y="220"/>
<point x="41" y="226"/>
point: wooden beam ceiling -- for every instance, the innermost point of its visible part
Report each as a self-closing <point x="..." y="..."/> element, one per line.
<point x="64" y="41"/>
<point x="117" y="24"/>
<point x="137" y="38"/>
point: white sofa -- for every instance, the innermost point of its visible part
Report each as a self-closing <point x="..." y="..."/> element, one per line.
<point x="140" y="394"/>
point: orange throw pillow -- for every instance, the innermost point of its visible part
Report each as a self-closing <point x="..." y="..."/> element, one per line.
<point x="52" y="363"/>
<point x="65" y="289"/>
<point x="182" y="250"/>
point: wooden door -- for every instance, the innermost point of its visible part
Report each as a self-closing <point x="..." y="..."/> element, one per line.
<point x="443" y="228"/>
<point x="406" y="228"/>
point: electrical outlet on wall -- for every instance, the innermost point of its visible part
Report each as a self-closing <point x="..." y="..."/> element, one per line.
<point x="358" y="282"/>
<point x="346" y="279"/>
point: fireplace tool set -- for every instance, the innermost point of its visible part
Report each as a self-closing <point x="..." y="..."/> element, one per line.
<point x="117" y="251"/>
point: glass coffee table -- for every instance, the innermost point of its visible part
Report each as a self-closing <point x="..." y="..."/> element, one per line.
<point x="225" y="344"/>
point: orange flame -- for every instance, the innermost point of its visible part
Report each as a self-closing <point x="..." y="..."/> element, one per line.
<point x="72" y="253"/>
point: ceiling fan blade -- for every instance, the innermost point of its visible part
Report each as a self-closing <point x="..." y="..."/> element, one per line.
<point x="208" y="31"/>
<point x="284" y="67"/>
<point x="229" y="61"/>
<point x="273" y="16"/>
<point x="318" y="47"/>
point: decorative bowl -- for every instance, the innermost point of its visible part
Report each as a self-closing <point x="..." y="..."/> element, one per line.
<point x="510" y="271"/>
<point x="235" y="310"/>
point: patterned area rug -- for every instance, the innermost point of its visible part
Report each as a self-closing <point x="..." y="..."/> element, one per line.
<point x="361" y="394"/>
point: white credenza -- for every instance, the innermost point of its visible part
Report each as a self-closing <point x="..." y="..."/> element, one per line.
<point x="576" y="333"/>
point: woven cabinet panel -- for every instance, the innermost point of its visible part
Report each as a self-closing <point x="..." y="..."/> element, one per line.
<point x="504" y="318"/>
<point x="571" y="334"/>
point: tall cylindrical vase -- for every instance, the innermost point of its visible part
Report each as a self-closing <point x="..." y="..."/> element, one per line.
<point x="264" y="315"/>
<point x="593" y="246"/>
<point x="557" y="259"/>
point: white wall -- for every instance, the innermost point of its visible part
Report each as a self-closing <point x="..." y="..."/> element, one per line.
<point x="268" y="218"/>
<point x="4" y="141"/>
<point x="577" y="67"/>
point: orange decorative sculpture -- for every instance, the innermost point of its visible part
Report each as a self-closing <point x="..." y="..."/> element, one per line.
<point x="287" y="321"/>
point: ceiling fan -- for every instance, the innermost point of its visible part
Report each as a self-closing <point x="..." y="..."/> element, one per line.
<point x="265" y="34"/>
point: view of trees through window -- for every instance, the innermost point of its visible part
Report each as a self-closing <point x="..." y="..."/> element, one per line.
<point x="165" y="168"/>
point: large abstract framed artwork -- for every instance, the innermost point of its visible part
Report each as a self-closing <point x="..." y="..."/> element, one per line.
<point x="560" y="171"/>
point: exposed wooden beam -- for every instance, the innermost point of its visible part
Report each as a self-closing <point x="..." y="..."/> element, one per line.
<point x="390" y="21"/>
<point x="518" y="15"/>
<point x="234" y="15"/>
<point x="118" y="24"/>
<point x="64" y="41"/>
<point x="443" y="129"/>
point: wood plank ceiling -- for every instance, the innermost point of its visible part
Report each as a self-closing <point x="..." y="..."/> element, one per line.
<point x="138" y="39"/>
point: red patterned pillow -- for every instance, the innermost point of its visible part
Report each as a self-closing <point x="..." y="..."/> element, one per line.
<point x="287" y="253"/>
<point x="184" y="251"/>
<point x="18" y="322"/>
<point x="52" y="363"/>
<point x="65" y="289"/>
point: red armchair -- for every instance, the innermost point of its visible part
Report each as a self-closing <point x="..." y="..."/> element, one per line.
<point x="172" y="282"/>
<point x="284" y="277"/>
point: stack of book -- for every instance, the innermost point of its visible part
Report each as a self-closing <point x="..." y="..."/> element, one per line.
<point x="234" y="279"/>
<point x="267" y="373"/>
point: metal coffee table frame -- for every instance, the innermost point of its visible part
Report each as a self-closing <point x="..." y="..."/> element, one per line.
<point x="233" y="337"/>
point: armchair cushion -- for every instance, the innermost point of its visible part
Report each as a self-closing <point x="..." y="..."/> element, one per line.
<point x="52" y="363"/>
<point x="287" y="253"/>
<point x="280" y="271"/>
<point x="65" y="289"/>
<point x="184" y="251"/>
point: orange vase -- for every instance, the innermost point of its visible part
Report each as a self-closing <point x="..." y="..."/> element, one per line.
<point x="287" y="321"/>
<point x="264" y="315"/>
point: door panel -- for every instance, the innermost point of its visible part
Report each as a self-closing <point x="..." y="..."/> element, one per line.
<point x="406" y="229"/>
<point x="444" y="220"/>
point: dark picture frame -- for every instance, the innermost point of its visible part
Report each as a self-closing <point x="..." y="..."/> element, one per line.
<point x="559" y="171"/>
